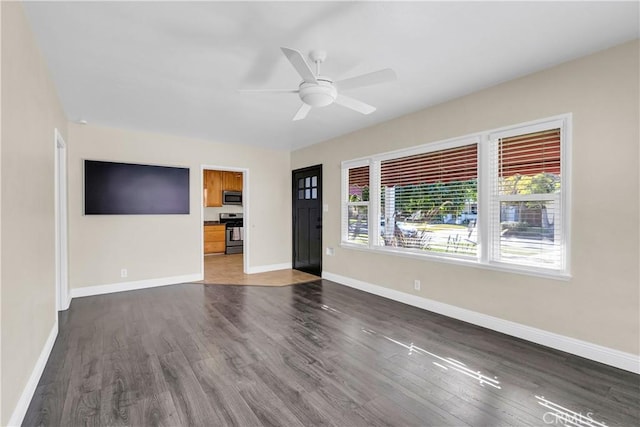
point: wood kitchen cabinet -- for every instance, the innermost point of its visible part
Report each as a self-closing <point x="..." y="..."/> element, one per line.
<point x="232" y="181"/>
<point x="214" y="239"/>
<point x="215" y="182"/>
<point x="212" y="188"/>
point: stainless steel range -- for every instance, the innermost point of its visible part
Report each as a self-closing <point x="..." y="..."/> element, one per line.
<point x="234" y="232"/>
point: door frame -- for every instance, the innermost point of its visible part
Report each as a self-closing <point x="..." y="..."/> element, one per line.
<point x="61" y="222"/>
<point x="245" y="213"/>
<point x="293" y="201"/>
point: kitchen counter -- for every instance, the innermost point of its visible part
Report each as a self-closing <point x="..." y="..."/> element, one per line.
<point x="212" y="223"/>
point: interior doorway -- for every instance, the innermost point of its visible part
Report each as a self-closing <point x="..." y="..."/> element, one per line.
<point x="224" y="207"/>
<point x="307" y="219"/>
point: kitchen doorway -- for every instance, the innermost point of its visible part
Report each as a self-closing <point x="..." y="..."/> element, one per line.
<point x="224" y="237"/>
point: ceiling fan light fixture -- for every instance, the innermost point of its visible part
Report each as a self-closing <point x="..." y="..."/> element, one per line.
<point x="318" y="95"/>
<point x="318" y="91"/>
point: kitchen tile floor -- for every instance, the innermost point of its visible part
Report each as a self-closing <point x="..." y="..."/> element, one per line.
<point x="227" y="270"/>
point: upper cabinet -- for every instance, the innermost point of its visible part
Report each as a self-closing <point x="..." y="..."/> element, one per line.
<point x="215" y="182"/>
<point x="212" y="188"/>
<point x="232" y="181"/>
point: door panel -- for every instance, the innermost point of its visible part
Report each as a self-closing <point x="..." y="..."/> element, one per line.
<point x="302" y="238"/>
<point x="315" y="240"/>
<point x="307" y="219"/>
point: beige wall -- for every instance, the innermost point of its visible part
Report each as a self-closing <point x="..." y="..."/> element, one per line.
<point x="159" y="246"/>
<point x="600" y="304"/>
<point x="30" y="112"/>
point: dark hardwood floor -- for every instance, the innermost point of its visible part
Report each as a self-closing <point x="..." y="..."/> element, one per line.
<point x="307" y="355"/>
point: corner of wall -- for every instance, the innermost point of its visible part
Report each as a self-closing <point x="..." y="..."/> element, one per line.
<point x="31" y="110"/>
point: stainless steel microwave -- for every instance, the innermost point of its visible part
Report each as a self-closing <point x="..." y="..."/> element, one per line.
<point x="232" y="198"/>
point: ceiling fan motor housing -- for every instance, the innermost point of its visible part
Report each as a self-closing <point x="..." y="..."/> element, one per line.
<point x="318" y="95"/>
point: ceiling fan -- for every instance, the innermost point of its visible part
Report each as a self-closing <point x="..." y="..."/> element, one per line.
<point x="320" y="91"/>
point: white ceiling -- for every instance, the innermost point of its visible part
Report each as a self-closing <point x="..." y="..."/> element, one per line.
<point x="176" y="67"/>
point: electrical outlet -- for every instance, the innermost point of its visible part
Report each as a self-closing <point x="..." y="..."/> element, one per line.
<point x="416" y="285"/>
<point x="123" y="273"/>
<point x="330" y="251"/>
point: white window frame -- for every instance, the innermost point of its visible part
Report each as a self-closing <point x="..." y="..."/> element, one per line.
<point x="423" y="149"/>
<point x="346" y="203"/>
<point x="562" y="237"/>
<point x="488" y="233"/>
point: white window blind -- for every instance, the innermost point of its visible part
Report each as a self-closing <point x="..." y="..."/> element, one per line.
<point x="526" y="208"/>
<point x="428" y="201"/>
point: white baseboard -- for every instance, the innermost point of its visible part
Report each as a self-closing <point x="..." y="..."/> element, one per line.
<point x="131" y="286"/>
<point x="30" y="388"/>
<point x="270" y="267"/>
<point x="608" y="356"/>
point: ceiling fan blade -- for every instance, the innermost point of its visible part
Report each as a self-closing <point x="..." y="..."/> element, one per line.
<point x="354" y="104"/>
<point x="301" y="66"/>
<point x="302" y="112"/>
<point x="268" y="90"/>
<point x="369" y="79"/>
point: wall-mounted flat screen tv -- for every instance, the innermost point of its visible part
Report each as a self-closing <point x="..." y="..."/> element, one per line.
<point x="131" y="189"/>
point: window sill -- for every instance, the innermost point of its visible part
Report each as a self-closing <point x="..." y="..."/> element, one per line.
<point x="467" y="262"/>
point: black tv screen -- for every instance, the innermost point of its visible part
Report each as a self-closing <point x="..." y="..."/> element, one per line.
<point x="130" y="189"/>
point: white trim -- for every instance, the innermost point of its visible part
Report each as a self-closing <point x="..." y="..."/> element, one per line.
<point x="483" y="224"/>
<point x="130" y="286"/>
<point x="430" y="147"/>
<point x="468" y="261"/>
<point x="246" y="234"/>
<point x="608" y="356"/>
<point x="566" y="160"/>
<point x="201" y="199"/>
<point x="373" y="222"/>
<point x="269" y="267"/>
<point x="20" y="410"/>
<point x="350" y="164"/>
<point x="529" y="127"/>
<point x="63" y="299"/>
<point x="344" y="206"/>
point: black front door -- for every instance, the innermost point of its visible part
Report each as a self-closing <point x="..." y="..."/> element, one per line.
<point x="307" y="219"/>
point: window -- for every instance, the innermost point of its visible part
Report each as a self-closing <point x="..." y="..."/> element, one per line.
<point x="427" y="201"/>
<point x="308" y="188"/>
<point x="498" y="199"/>
<point x="526" y="198"/>
<point x="357" y="205"/>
